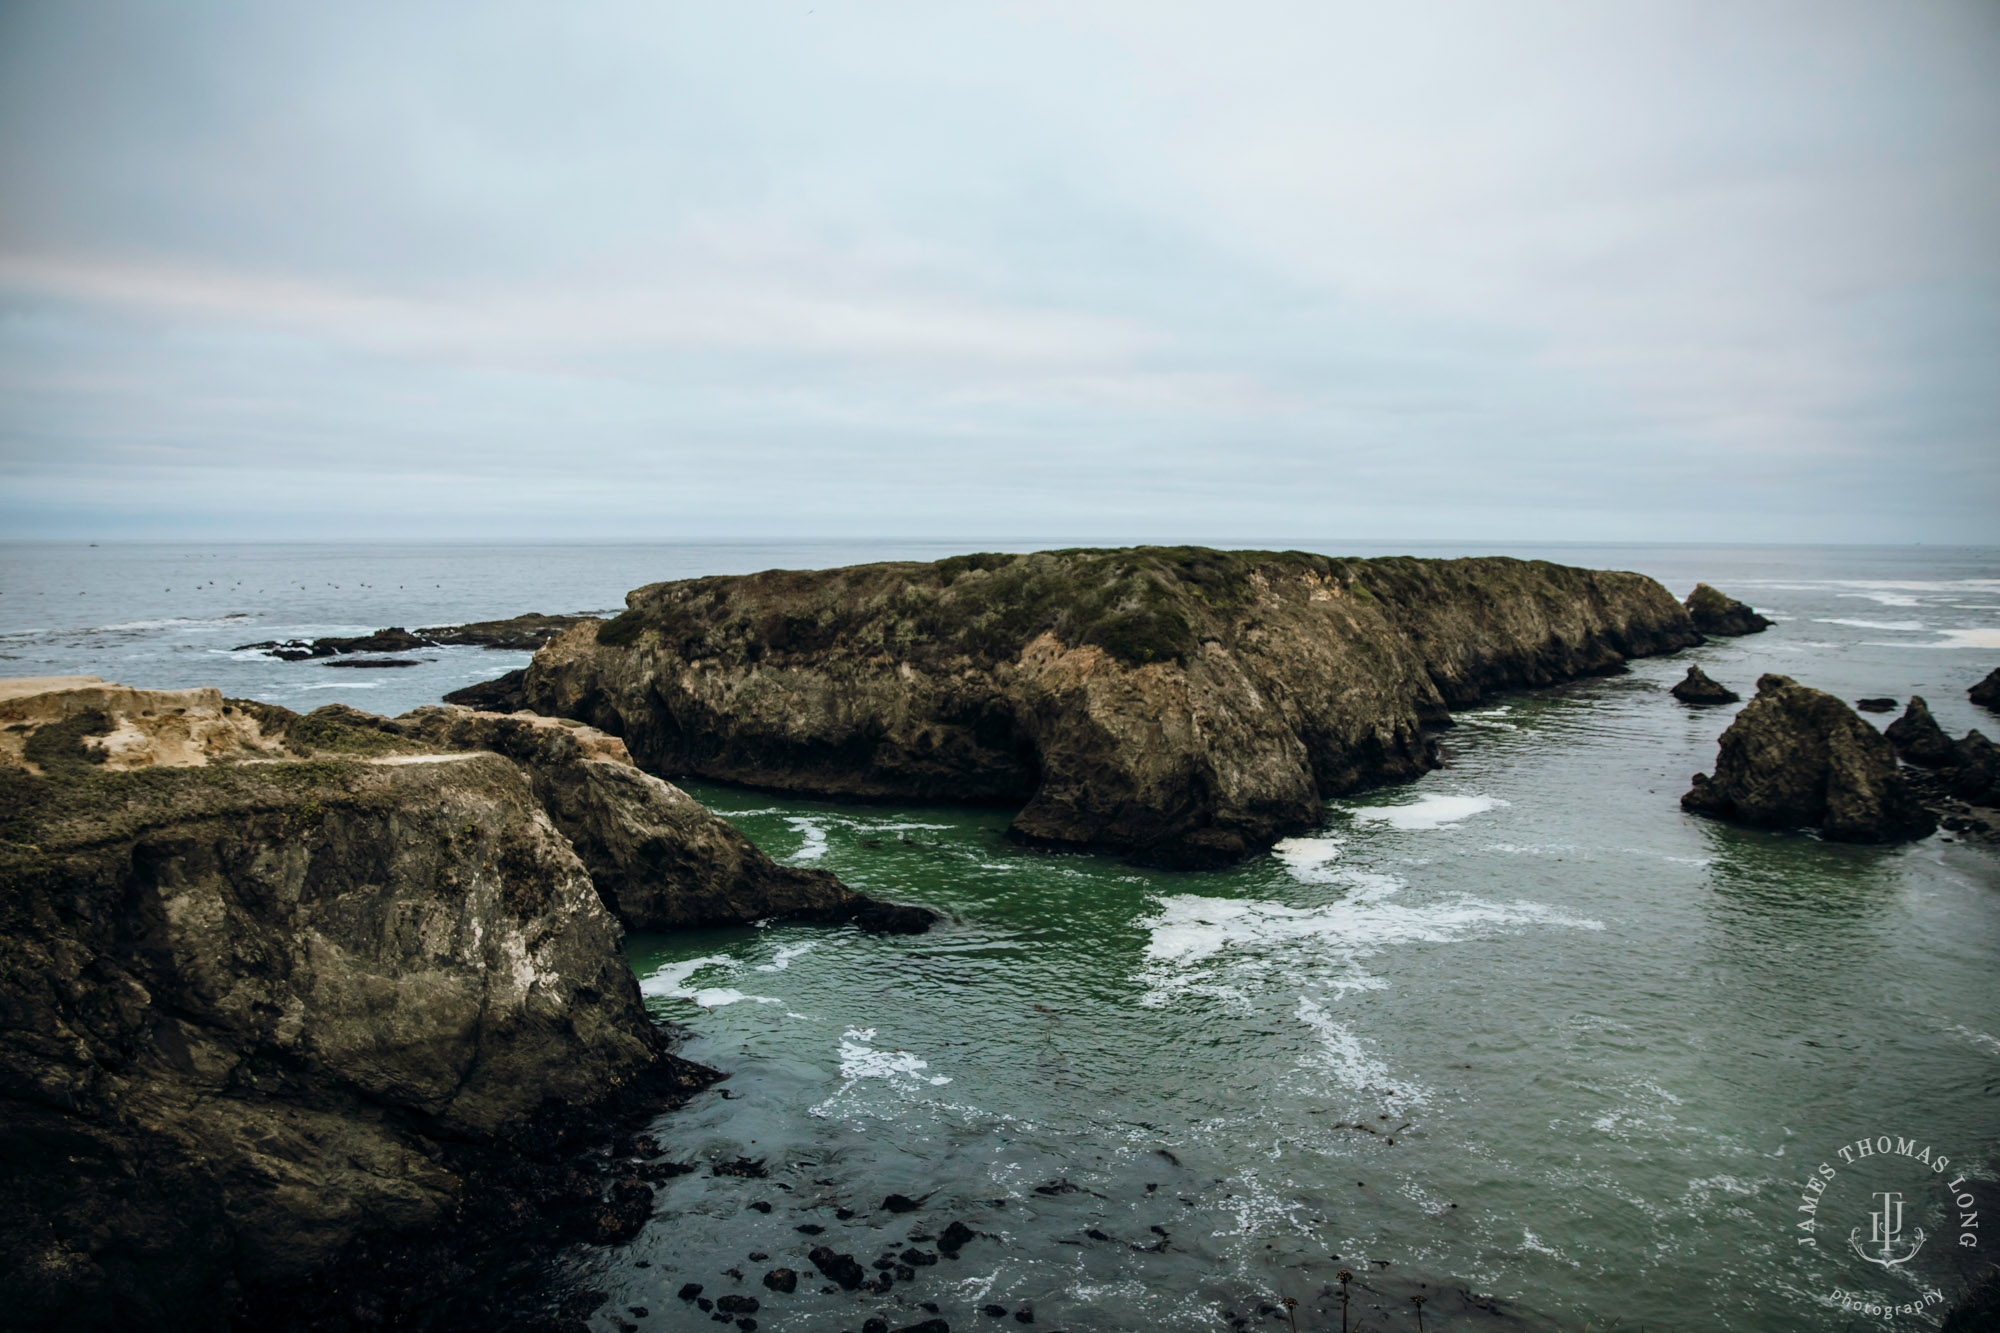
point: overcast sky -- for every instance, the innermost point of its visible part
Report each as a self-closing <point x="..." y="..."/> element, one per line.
<point x="1149" y="271"/>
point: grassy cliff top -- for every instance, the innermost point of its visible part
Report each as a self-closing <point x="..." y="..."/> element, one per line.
<point x="1139" y="604"/>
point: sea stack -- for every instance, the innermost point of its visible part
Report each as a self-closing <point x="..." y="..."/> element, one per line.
<point x="1799" y="757"/>
<point x="1698" y="688"/>
<point x="1717" y="613"/>
<point x="1181" y="705"/>
<point x="1987" y="692"/>
<point x="1917" y="737"/>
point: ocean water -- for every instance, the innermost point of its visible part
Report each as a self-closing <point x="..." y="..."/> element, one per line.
<point x="1521" y="1037"/>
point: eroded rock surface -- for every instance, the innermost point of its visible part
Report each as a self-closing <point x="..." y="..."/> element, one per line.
<point x="1714" y="612"/>
<point x="1183" y="705"/>
<point x="661" y="859"/>
<point x="272" y="990"/>
<point x="1798" y="757"/>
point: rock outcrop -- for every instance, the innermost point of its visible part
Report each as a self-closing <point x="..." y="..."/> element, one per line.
<point x="503" y="695"/>
<point x="1182" y="705"/>
<point x="1717" y="613"/>
<point x="522" y="633"/>
<point x="1917" y="737"/>
<point x="1798" y="757"/>
<point x="1697" y="688"/>
<point x="1987" y="692"/>
<point x="274" y="989"/>
<point x="1879" y="704"/>
<point x="660" y="859"/>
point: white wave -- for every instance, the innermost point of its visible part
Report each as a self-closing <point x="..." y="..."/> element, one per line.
<point x="783" y="958"/>
<point x="671" y="982"/>
<point x="1342" y="1055"/>
<point x="1978" y="1038"/>
<point x="1910" y="625"/>
<point x="814" y="833"/>
<point x="1883" y="599"/>
<point x="1305" y="857"/>
<point x="858" y="1059"/>
<point x="345" y="685"/>
<point x="1953" y="638"/>
<point x="1429" y="812"/>
<point x="1204" y="945"/>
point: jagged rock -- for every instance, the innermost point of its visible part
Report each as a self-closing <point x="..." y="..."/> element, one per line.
<point x="1974" y="771"/>
<point x="503" y="695"/>
<point x="842" y="1268"/>
<point x="1717" y="613"/>
<point x="1697" y="688"/>
<point x="395" y="639"/>
<point x="1800" y="757"/>
<point x="660" y="858"/>
<point x="1987" y="692"/>
<point x="272" y="990"/>
<point x="1185" y="706"/>
<point x="1917" y="737"/>
<point x="1882" y="705"/>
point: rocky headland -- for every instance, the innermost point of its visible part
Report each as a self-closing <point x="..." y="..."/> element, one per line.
<point x="1718" y="613"/>
<point x="310" y="1021"/>
<point x="1799" y="757"/>
<point x="1181" y="705"/>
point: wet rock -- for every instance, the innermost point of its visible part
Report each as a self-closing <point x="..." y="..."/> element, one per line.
<point x="921" y="1258"/>
<point x="745" y="1167"/>
<point x="1117" y="699"/>
<point x="1800" y="757"/>
<point x="704" y="1303"/>
<point x="690" y="1290"/>
<point x="522" y="633"/>
<point x="1878" y="705"/>
<point x="955" y="1238"/>
<point x="392" y="640"/>
<point x="1716" y="613"/>
<point x="758" y="1256"/>
<point x="501" y="695"/>
<point x="747" y="1325"/>
<point x="875" y="1325"/>
<point x="734" y="1304"/>
<point x="662" y="1170"/>
<point x="904" y="1273"/>
<point x="927" y="1326"/>
<point x="1697" y="688"/>
<point x="902" y="1203"/>
<point x="760" y="1206"/>
<point x="1987" y="692"/>
<point x="1917" y="736"/>
<point x="993" y="1311"/>
<point x="784" y="1280"/>
<point x="809" y="1228"/>
<point x="1974" y="772"/>
<point x="842" y="1268"/>
<point x="371" y="662"/>
<point x="1025" y="1315"/>
<point x="620" y="1217"/>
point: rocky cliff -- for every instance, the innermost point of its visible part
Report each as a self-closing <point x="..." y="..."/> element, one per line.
<point x="269" y="988"/>
<point x="1183" y="705"/>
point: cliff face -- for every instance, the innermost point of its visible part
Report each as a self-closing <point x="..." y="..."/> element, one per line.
<point x="254" y="971"/>
<point x="1180" y="704"/>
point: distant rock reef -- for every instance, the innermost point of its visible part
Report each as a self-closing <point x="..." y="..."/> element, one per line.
<point x="1184" y="706"/>
<point x="522" y="633"/>
<point x="300" y="1016"/>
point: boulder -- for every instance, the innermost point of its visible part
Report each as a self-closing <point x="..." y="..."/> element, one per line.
<point x="1181" y="705"/>
<point x="1717" y="613"/>
<point x="660" y="859"/>
<point x="1697" y="688"/>
<point x="1917" y="737"/>
<point x="277" y="996"/>
<point x="1973" y="774"/>
<point x="1987" y="692"/>
<point x="1878" y="705"/>
<point x="1798" y="757"/>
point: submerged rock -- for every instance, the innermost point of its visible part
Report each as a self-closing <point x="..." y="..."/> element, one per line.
<point x="660" y="859"/>
<point x="1987" y="692"/>
<point x="1917" y="737"/>
<point x="1798" y="757"/>
<point x="1182" y="705"/>
<point x="1717" y="613"/>
<point x="281" y="995"/>
<point x="1697" y="688"/>
<point x="841" y="1268"/>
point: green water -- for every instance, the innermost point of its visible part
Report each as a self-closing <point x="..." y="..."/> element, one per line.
<point x="1609" y="1042"/>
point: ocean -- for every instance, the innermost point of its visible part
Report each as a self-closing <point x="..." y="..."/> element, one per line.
<point x="1520" y="1038"/>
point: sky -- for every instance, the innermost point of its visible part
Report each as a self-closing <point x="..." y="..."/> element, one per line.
<point x="1104" y="271"/>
